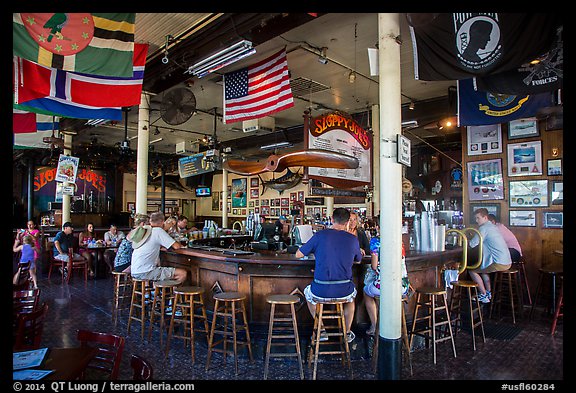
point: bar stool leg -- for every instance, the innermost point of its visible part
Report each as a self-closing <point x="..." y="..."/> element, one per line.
<point x="297" y="339"/>
<point x="269" y="341"/>
<point x="211" y="337"/>
<point x="234" y="337"/>
<point x="245" y="318"/>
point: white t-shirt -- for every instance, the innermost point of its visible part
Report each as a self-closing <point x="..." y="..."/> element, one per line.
<point x="144" y="257"/>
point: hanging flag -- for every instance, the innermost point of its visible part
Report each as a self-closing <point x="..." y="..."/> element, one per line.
<point x="96" y="44"/>
<point x="547" y="74"/>
<point x="62" y="108"/>
<point x="258" y="90"/>
<point x="451" y="46"/>
<point x="37" y="81"/>
<point x="27" y="122"/>
<point x="477" y="108"/>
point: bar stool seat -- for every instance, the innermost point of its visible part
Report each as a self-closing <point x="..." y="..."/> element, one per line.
<point x="226" y="306"/>
<point x="525" y="292"/>
<point x="506" y="282"/>
<point x="329" y="311"/>
<point x="122" y="284"/>
<point x="426" y="298"/>
<point x="551" y="273"/>
<point x="187" y="307"/>
<point x="456" y="308"/>
<point x="285" y="325"/>
<point x="139" y="304"/>
<point x="163" y="297"/>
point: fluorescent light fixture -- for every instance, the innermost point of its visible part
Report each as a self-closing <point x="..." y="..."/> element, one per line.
<point x="156" y="140"/>
<point x="276" y="145"/>
<point x="409" y="124"/>
<point x="222" y="58"/>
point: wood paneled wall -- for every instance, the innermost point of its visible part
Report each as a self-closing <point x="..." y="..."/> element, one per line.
<point x="537" y="242"/>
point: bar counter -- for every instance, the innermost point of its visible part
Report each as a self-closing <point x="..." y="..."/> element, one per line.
<point x="267" y="272"/>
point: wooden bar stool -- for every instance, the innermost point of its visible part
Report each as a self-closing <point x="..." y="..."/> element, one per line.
<point x="559" y="306"/>
<point x="551" y="274"/>
<point x="226" y="306"/>
<point x="285" y="322"/>
<point x="326" y="312"/>
<point x="426" y="299"/>
<point x="187" y="307"/>
<point x="525" y="292"/>
<point x="456" y="308"/>
<point x="140" y="288"/>
<point x="122" y="286"/>
<point x="405" y="343"/>
<point x="506" y="283"/>
<point x="163" y="297"/>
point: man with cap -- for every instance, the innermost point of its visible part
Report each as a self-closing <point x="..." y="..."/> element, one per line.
<point x="63" y="242"/>
<point x="280" y="226"/>
<point x="146" y="242"/>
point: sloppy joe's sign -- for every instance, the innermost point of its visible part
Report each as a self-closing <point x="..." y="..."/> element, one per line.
<point x="45" y="177"/>
<point x="337" y="121"/>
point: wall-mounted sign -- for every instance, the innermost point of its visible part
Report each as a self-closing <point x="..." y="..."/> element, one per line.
<point x="193" y="165"/>
<point x="67" y="168"/>
<point x="403" y="154"/>
<point x="326" y="191"/>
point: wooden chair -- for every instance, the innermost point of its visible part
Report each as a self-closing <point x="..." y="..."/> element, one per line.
<point x="29" y="326"/>
<point x="25" y="301"/>
<point x="110" y="348"/>
<point x="24" y="278"/>
<point x="143" y="370"/>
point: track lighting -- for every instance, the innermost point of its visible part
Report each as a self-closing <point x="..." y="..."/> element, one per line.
<point x="352" y="77"/>
<point x="411" y="107"/>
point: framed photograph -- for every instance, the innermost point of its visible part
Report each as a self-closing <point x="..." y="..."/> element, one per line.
<point x="484" y="139"/>
<point x="285" y="202"/>
<point x="215" y="200"/>
<point x="316" y="210"/>
<point x="229" y="192"/>
<point x="254" y="182"/>
<point x="285" y="211"/>
<point x="265" y="202"/>
<point x="553" y="219"/>
<point x="554" y="167"/>
<point x="251" y="204"/>
<point x="257" y="202"/>
<point x="523" y="128"/>
<point x="493" y="208"/>
<point x="256" y="210"/>
<point x="557" y="193"/>
<point x="243" y="212"/>
<point x="235" y="211"/>
<point x="239" y="192"/>
<point x="309" y="211"/>
<point x="525" y="159"/>
<point x="228" y="207"/>
<point x="301" y="196"/>
<point x="293" y="196"/>
<point x="277" y="202"/>
<point x="131" y="207"/>
<point x="529" y="193"/>
<point x="254" y="193"/>
<point x="522" y="218"/>
<point x="485" y="181"/>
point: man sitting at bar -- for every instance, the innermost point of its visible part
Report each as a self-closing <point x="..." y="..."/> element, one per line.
<point x="146" y="242"/>
<point x="182" y="226"/>
<point x="495" y="254"/>
<point x="335" y="250"/>
<point x="509" y="238"/>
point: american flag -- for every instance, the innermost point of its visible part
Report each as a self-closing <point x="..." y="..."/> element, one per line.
<point x="258" y="90"/>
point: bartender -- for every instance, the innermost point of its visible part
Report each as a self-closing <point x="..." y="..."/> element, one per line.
<point x="280" y="227"/>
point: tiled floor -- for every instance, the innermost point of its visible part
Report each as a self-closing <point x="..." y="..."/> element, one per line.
<point x="532" y="354"/>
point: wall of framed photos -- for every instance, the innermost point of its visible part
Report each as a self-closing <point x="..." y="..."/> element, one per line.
<point x="515" y="170"/>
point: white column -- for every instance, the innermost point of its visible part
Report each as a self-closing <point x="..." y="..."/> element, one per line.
<point x="391" y="176"/>
<point x="376" y="159"/>
<point x="224" y="198"/>
<point x="142" y="154"/>
<point x="66" y="206"/>
<point x="329" y="205"/>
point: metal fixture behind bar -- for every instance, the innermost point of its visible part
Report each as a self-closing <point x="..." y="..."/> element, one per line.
<point x="222" y="58"/>
<point x="273" y="146"/>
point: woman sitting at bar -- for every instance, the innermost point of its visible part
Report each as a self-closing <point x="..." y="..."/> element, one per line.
<point x="354" y="228"/>
<point x="85" y="238"/>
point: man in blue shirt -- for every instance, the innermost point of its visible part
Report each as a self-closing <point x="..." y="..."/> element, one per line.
<point x="335" y="251"/>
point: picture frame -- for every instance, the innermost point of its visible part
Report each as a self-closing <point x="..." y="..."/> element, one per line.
<point x="239" y="192"/>
<point x="285" y="211"/>
<point x="265" y="210"/>
<point x="277" y="202"/>
<point x="131" y="207"/>
<point x="525" y="159"/>
<point x="523" y="128"/>
<point x="257" y="210"/>
<point x="493" y="208"/>
<point x="486" y="139"/>
<point x="254" y="182"/>
<point x="528" y="193"/>
<point x="234" y="211"/>
<point x="293" y="196"/>
<point x="243" y="212"/>
<point x="553" y="219"/>
<point x="485" y="180"/>
<point x="265" y="202"/>
<point x="257" y="202"/>
<point x="251" y="204"/>
<point x="554" y="167"/>
<point x="301" y="196"/>
<point x="557" y="193"/>
<point x="215" y="201"/>
<point x="284" y="202"/>
<point x="522" y="218"/>
<point x="254" y="193"/>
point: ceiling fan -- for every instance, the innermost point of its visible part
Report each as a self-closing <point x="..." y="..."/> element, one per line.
<point x="309" y="158"/>
<point x="178" y="105"/>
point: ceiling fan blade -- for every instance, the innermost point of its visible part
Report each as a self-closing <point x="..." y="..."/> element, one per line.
<point x="249" y="168"/>
<point x="317" y="158"/>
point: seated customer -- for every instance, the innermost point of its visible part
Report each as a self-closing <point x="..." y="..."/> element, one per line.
<point x="509" y="238"/>
<point x="112" y="238"/>
<point x="123" y="258"/>
<point x="64" y="241"/>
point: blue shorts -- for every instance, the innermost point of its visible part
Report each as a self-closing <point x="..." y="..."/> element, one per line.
<point x="371" y="290"/>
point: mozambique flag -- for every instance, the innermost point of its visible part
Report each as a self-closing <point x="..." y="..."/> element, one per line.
<point x="98" y="44"/>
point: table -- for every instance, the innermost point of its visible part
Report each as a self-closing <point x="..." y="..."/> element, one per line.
<point x="67" y="363"/>
<point x="99" y="251"/>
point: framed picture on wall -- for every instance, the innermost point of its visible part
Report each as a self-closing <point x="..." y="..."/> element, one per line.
<point x="253" y="193"/>
<point x="529" y="193"/>
<point x="522" y="218"/>
<point x="485" y="181"/>
<point x="253" y="182"/>
<point x="523" y="128"/>
<point x="301" y="196"/>
<point x="553" y="219"/>
<point x="554" y="167"/>
<point x="265" y="202"/>
<point x="525" y="159"/>
<point x="557" y="193"/>
<point x="484" y="139"/>
<point x="292" y="196"/>
<point x="493" y="208"/>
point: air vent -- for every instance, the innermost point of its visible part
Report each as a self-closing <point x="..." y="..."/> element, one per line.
<point x="302" y="87"/>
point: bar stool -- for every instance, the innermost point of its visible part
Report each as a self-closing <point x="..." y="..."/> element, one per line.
<point x="506" y="281"/>
<point x="140" y="288"/>
<point x="405" y="343"/>
<point x="189" y="303"/>
<point x="328" y="311"/>
<point x="122" y="284"/>
<point x="456" y="307"/>
<point x="226" y="306"/>
<point x="551" y="273"/>
<point x="426" y="297"/>
<point x="285" y="322"/>
<point x="163" y="296"/>
<point x="559" y="305"/>
<point x="521" y="266"/>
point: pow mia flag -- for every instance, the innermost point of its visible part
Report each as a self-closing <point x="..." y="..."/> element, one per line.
<point x="544" y="76"/>
<point x="454" y="46"/>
